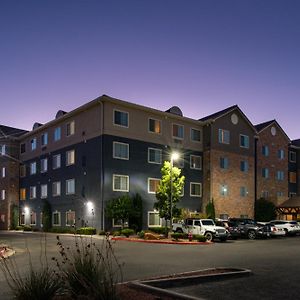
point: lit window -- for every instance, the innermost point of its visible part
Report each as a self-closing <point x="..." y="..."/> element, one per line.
<point x="3" y="172"/>
<point x="44" y="165"/>
<point x="293" y="156"/>
<point x="293" y="177"/>
<point x="154" y="155"/>
<point x="44" y="190"/>
<point x="265" y="172"/>
<point x="70" y="157"/>
<point x="154" y="126"/>
<point x="56" y="218"/>
<point x="244" y="141"/>
<point x="32" y="218"/>
<point x="224" y="162"/>
<point x="2" y="218"/>
<point x="121" y="118"/>
<point x="33" y="144"/>
<point x="44" y="139"/>
<point x="244" y="166"/>
<point x="153" y="184"/>
<point x="265" y="150"/>
<point x="33" y="168"/>
<point x="120" y="150"/>
<point x="196" y="162"/>
<point x="243" y="191"/>
<point x="223" y="190"/>
<point x="153" y="219"/>
<point x="70" y="186"/>
<point x="195" y="189"/>
<point x="22" y="194"/>
<point x="32" y="194"/>
<point x="178" y="131"/>
<point x="70" y="218"/>
<point x="56" y="188"/>
<point x="195" y="135"/>
<point x="121" y="183"/>
<point x="3" y="194"/>
<point x="70" y="128"/>
<point x="280" y="154"/>
<point x="280" y="175"/>
<point x="224" y="136"/>
<point x="56" y="162"/>
<point x="57" y="134"/>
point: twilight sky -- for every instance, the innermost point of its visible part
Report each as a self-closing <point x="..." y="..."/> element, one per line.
<point x="202" y="56"/>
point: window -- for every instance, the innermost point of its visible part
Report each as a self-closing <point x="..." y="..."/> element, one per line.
<point x="2" y="218"/>
<point x="33" y="168"/>
<point x="44" y="165"/>
<point x="56" y="161"/>
<point x="23" y="148"/>
<point x="56" y="218"/>
<point x="224" y="162"/>
<point x="280" y="175"/>
<point x="3" y="150"/>
<point x="265" y="172"/>
<point x="3" y="194"/>
<point x="3" y="172"/>
<point x="280" y="154"/>
<point x="195" y="135"/>
<point x="32" y="218"/>
<point x="121" y="118"/>
<point x="44" y="190"/>
<point x="153" y="184"/>
<point x="70" y="157"/>
<point x="70" y="128"/>
<point x="32" y="192"/>
<point x="293" y="177"/>
<point x="22" y="170"/>
<point x="178" y="131"/>
<point x="154" y="126"/>
<point x="195" y="189"/>
<point x="224" y="136"/>
<point x="120" y="150"/>
<point x="279" y="194"/>
<point x="196" y="162"/>
<point x="44" y="139"/>
<point x="56" y="188"/>
<point x="22" y="194"/>
<point x="118" y="223"/>
<point x="223" y="190"/>
<point x="22" y="218"/>
<point x="70" y="218"/>
<point x="244" y="141"/>
<point x="243" y="191"/>
<point x="293" y="156"/>
<point x="70" y="186"/>
<point x="291" y="195"/>
<point x="41" y="219"/>
<point x="153" y="219"/>
<point x="244" y="166"/>
<point x="265" y="150"/>
<point x="57" y="134"/>
<point x="121" y="183"/>
<point x="265" y="194"/>
<point x="33" y="144"/>
<point x="154" y="155"/>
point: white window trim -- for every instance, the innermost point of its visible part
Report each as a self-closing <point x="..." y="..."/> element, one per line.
<point x="44" y="197"/>
<point x="176" y="137"/>
<point x="56" y="195"/>
<point x="70" y="211"/>
<point x="113" y="183"/>
<point x="3" y="194"/>
<point x="31" y="164"/>
<point x="46" y="170"/>
<point x="42" y="138"/>
<point x="149" y="179"/>
<point x="55" y="140"/>
<point x="34" y="138"/>
<point x="153" y="212"/>
<point x="152" y="132"/>
<point x="195" y="183"/>
<point x="24" y="218"/>
<point x="223" y="142"/>
<point x="72" y="163"/>
<point x="191" y="129"/>
<point x="154" y="162"/>
<point x="191" y="167"/>
<point x="126" y="224"/>
<point x="114" y="123"/>
<point x="290" y="159"/>
<point x="244" y="135"/>
<point x="31" y="213"/>
<point x="292" y="194"/>
<point x="33" y="187"/>
<point x="59" y="214"/>
<point x="116" y="157"/>
<point x="3" y="172"/>
<point x="56" y="155"/>
<point x="71" y="134"/>
<point x="68" y="180"/>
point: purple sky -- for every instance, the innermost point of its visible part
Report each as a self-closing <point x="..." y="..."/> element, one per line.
<point x="200" y="55"/>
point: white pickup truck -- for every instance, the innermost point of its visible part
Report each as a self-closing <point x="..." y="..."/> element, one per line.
<point x="206" y="227"/>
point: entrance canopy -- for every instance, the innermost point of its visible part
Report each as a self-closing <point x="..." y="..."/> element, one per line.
<point x="290" y="206"/>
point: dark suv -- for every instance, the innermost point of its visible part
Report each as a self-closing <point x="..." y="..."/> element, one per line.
<point x="250" y="228"/>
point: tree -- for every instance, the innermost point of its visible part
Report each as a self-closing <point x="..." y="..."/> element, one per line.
<point x="163" y="193"/>
<point x="47" y="216"/>
<point x="14" y="216"/>
<point x="210" y="210"/>
<point x="136" y="219"/>
<point x="120" y="208"/>
<point x="264" y="210"/>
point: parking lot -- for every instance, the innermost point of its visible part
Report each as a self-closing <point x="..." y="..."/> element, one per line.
<point x="275" y="263"/>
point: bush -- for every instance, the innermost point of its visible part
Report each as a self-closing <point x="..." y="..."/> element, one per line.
<point x="141" y="234"/>
<point x="102" y="232"/>
<point x="86" y="230"/>
<point x="19" y="228"/>
<point x="159" y="230"/>
<point x="27" y="228"/>
<point x="116" y="233"/>
<point x="62" y="230"/>
<point x="199" y="238"/>
<point x="178" y="235"/>
<point x="127" y="232"/>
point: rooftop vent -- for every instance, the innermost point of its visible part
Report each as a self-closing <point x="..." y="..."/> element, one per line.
<point x="175" y="110"/>
<point x="60" y="113"/>
<point x="36" y="125"/>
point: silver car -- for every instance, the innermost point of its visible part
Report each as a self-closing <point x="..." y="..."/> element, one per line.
<point x="290" y="227"/>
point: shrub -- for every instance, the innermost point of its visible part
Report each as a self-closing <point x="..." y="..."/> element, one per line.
<point x="19" y="228"/>
<point x="62" y="230"/>
<point x="86" y="230"/>
<point x="177" y="235"/>
<point x="127" y="232"/>
<point x="102" y="232"/>
<point x="116" y="233"/>
<point x="141" y="234"/>
<point x="199" y="238"/>
<point x="159" y="230"/>
<point x="27" y="228"/>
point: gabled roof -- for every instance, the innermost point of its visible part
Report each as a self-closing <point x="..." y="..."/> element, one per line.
<point x="296" y="143"/>
<point x="262" y="126"/>
<point x="291" y="202"/>
<point x="10" y="132"/>
<point x="224" y="112"/>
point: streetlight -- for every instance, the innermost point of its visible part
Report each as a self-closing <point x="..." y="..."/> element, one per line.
<point x="174" y="156"/>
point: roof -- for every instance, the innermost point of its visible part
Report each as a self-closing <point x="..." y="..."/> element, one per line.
<point x="10" y="132"/>
<point x="262" y="126"/>
<point x="291" y="202"/>
<point x="296" y="143"/>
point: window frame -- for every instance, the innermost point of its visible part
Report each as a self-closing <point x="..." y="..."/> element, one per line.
<point x="149" y="179"/>
<point x="56" y="183"/>
<point x="198" y="184"/>
<point x="59" y="218"/>
<point x="177" y="137"/>
<point x="120" y="143"/>
<point x="160" y="125"/>
<point x="292" y="153"/>
<point x="71" y="125"/>
<point x="72" y="192"/>
<point x="114" y="118"/>
<point x="54" y="157"/>
<point x="44" y="196"/>
<point x="72" y="156"/>
<point x="196" y="156"/>
<point x="44" y="139"/>
<point x="122" y="176"/>
<point x="160" y="156"/>
<point x="42" y="170"/>
<point x="148" y="218"/>
<point x="246" y="139"/>
<point x="32" y="192"/>
<point x="22" y="194"/>
<point x="222" y="136"/>
<point x="68" y="212"/>
<point x="33" y="163"/>
<point x="191" y="135"/>
<point x="224" y="166"/>
<point x="33" y="144"/>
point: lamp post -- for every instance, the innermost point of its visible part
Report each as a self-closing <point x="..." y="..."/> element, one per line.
<point x="174" y="156"/>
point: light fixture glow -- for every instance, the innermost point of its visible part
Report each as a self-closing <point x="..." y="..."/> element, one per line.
<point x="90" y="205"/>
<point x="174" y="156"/>
<point x="26" y="209"/>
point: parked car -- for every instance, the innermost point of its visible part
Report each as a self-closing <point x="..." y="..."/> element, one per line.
<point x="233" y="231"/>
<point x="250" y="228"/>
<point x="275" y="231"/>
<point x="290" y="227"/>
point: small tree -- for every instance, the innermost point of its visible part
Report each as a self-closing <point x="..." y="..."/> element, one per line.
<point x="47" y="216"/>
<point x="14" y="216"/>
<point x="136" y="219"/>
<point x="264" y="210"/>
<point x="120" y="209"/>
<point x="210" y="210"/>
<point x="163" y="193"/>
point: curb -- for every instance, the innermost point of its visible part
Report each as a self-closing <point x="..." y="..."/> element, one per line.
<point x="159" y="241"/>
